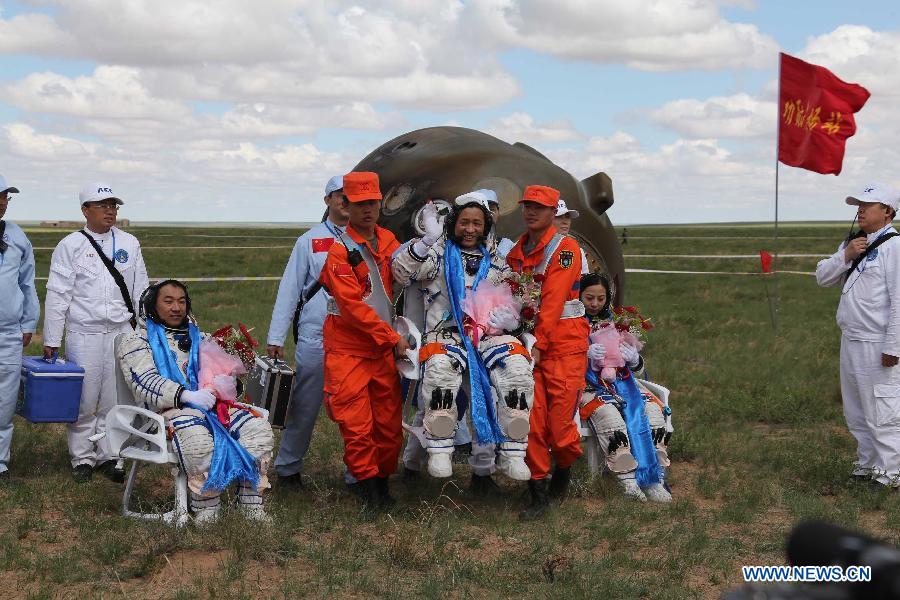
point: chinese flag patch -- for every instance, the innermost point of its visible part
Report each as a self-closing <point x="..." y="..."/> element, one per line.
<point x="322" y="244"/>
<point x="342" y="270"/>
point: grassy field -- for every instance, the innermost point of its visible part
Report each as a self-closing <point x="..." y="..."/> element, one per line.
<point x="759" y="445"/>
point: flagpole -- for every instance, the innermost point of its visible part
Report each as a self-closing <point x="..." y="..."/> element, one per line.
<point x="773" y="306"/>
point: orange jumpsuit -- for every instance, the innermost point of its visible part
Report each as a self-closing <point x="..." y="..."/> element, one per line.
<point x="362" y="387"/>
<point x="563" y="344"/>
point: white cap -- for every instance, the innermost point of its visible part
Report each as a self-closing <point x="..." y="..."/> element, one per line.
<point x="334" y="184"/>
<point x="95" y="192"/>
<point x="876" y="192"/>
<point x="491" y="196"/>
<point x="478" y="196"/>
<point x="4" y="187"/>
<point x="562" y="210"/>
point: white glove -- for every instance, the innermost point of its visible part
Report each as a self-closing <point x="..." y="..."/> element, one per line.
<point x="596" y="352"/>
<point x="504" y="246"/>
<point x="202" y="399"/>
<point x="431" y="224"/>
<point x="503" y="318"/>
<point x="630" y="354"/>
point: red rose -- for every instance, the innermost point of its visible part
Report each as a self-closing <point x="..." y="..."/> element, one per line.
<point x="222" y="331"/>
<point x="514" y="287"/>
<point x="621" y="326"/>
<point x="618" y="310"/>
<point x="528" y="313"/>
<point x="646" y="326"/>
<point x="631" y="309"/>
<point x="539" y="278"/>
<point x="246" y="333"/>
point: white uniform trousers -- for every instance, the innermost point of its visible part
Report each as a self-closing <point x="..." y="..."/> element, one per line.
<point x="482" y="460"/>
<point x="306" y="400"/>
<point x="93" y="352"/>
<point x="871" y="395"/>
<point x="10" y="372"/>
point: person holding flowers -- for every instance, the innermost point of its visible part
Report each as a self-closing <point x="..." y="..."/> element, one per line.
<point x="190" y="378"/>
<point x="628" y="420"/>
<point x="469" y="315"/>
<point x="548" y="265"/>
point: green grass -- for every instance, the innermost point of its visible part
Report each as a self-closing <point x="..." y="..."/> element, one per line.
<point x="759" y="445"/>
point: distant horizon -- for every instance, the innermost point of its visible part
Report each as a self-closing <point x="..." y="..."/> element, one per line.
<point x="307" y="224"/>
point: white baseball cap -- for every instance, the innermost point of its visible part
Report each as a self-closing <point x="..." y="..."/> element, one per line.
<point x="95" y="192"/>
<point x="334" y="184"/>
<point x="562" y="210"/>
<point x="4" y="187"/>
<point x="876" y="192"/>
<point x="478" y="196"/>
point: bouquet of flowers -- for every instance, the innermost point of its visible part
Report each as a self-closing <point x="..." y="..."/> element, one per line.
<point x="632" y="325"/>
<point x="526" y="287"/>
<point x="479" y="305"/>
<point x="225" y="356"/>
<point x="237" y="343"/>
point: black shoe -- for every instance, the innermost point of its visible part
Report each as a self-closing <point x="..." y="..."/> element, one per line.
<point x="537" y="489"/>
<point x="357" y="489"/>
<point x="82" y="473"/>
<point x="461" y="454"/>
<point x="294" y="481"/>
<point x="410" y="474"/>
<point x="367" y="491"/>
<point x="484" y="486"/>
<point x="109" y="470"/>
<point x="385" y="500"/>
<point x="559" y="483"/>
<point x="4" y="477"/>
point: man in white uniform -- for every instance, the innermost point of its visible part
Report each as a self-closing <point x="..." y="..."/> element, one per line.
<point x="19" y="311"/>
<point x="867" y="267"/>
<point x="300" y="279"/>
<point x="563" y="223"/>
<point x="84" y="299"/>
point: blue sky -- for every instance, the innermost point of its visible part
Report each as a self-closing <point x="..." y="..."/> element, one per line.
<point x="226" y="111"/>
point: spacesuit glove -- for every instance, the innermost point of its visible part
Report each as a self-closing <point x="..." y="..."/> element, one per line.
<point x="596" y="352"/>
<point x="630" y="354"/>
<point x="503" y="318"/>
<point x="431" y="225"/>
<point x="202" y="399"/>
<point x="504" y="246"/>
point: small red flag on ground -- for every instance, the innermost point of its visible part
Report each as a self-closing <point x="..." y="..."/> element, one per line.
<point x="765" y="260"/>
<point x="816" y="115"/>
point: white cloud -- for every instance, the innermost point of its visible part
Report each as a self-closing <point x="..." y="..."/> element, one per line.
<point x="23" y="141"/>
<point x="737" y="116"/>
<point x="521" y="127"/>
<point x="111" y="92"/>
<point x="652" y="35"/>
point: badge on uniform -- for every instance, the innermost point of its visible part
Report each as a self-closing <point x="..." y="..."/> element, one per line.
<point x="566" y="257"/>
<point x="872" y="255"/>
<point x="342" y="270"/>
<point x="322" y="244"/>
<point x="121" y="256"/>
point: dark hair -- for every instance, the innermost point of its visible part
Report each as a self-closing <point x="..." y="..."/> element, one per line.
<point x="151" y="295"/>
<point x="453" y="217"/>
<point x="597" y="279"/>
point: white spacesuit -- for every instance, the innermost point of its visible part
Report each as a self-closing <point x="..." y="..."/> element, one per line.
<point x="420" y="265"/>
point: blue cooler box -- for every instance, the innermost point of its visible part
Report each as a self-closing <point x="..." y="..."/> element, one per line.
<point x="51" y="391"/>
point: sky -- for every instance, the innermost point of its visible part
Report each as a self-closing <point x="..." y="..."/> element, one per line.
<point x="231" y="110"/>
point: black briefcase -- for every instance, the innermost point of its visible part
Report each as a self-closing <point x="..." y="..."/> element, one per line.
<point x="269" y="387"/>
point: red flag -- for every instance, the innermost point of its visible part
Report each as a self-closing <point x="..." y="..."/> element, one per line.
<point x="816" y="115"/>
<point x="765" y="260"/>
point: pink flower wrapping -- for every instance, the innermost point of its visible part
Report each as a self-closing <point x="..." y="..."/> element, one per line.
<point x="218" y="370"/>
<point x="479" y="304"/>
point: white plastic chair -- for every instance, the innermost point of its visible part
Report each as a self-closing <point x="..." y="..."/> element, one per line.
<point x="139" y="435"/>
<point x="592" y="444"/>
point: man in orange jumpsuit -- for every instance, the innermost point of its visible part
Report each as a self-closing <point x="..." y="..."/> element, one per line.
<point x="560" y="352"/>
<point x="362" y="386"/>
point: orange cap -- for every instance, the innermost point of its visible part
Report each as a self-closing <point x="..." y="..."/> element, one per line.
<point x="543" y="195"/>
<point x="361" y="185"/>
